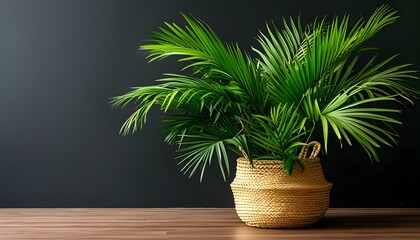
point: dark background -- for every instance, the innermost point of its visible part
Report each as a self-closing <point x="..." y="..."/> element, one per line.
<point x="61" y="61"/>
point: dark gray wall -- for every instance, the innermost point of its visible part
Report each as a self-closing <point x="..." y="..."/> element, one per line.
<point x="61" y="61"/>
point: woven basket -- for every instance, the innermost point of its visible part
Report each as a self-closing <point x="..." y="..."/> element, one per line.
<point x="267" y="197"/>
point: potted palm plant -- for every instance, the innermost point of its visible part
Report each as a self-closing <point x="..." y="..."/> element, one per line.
<point x="303" y="84"/>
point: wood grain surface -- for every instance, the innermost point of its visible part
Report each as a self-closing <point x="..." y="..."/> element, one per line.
<point x="198" y="224"/>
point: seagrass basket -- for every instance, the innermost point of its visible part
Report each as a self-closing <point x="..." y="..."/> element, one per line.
<point x="267" y="197"/>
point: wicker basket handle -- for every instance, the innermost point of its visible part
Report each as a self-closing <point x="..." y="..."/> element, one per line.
<point x="243" y="152"/>
<point x="316" y="147"/>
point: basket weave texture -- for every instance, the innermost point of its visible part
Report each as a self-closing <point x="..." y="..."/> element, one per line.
<point x="267" y="197"/>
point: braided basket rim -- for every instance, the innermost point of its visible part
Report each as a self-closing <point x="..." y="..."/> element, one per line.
<point x="278" y="165"/>
<point x="272" y="162"/>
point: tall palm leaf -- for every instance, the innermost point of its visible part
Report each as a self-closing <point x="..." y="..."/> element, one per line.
<point x="331" y="92"/>
<point x="225" y="83"/>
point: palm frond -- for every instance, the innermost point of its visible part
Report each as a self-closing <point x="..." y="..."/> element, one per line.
<point x="279" y="133"/>
<point x="209" y="57"/>
<point x="327" y="46"/>
<point x="203" y="139"/>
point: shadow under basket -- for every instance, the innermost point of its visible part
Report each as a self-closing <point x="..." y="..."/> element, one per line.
<point x="267" y="197"/>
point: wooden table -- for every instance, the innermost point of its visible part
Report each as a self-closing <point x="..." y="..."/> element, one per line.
<point x="198" y="224"/>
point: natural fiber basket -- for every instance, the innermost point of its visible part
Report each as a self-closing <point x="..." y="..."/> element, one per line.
<point x="267" y="197"/>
